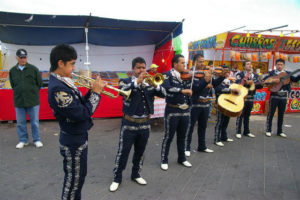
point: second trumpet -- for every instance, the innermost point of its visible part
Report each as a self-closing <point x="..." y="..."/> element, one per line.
<point x="154" y="80"/>
<point x="85" y="82"/>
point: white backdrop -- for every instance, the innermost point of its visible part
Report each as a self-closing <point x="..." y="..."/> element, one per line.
<point x="102" y="58"/>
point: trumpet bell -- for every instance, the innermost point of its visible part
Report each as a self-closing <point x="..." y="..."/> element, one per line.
<point x="158" y="79"/>
<point x="125" y="94"/>
<point x="155" y="80"/>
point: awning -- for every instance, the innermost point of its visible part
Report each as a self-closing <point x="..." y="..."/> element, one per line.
<point x="32" y="29"/>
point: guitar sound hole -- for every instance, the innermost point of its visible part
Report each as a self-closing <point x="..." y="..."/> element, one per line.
<point x="228" y="100"/>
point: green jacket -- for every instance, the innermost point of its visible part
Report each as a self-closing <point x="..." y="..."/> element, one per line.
<point x="26" y="84"/>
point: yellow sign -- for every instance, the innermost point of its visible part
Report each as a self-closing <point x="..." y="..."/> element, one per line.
<point x="217" y="41"/>
<point x="221" y="40"/>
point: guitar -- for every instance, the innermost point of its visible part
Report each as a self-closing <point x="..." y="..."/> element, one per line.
<point x="282" y="76"/>
<point x="232" y="104"/>
<point x="252" y="86"/>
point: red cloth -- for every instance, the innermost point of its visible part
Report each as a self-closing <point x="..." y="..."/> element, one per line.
<point x="108" y="107"/>
<point x="151" y="73"/>
<point x="113" y="107"/>
<point x="164" y="53"/>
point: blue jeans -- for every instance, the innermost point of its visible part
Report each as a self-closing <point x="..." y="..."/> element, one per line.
<point x="33" y="113"/>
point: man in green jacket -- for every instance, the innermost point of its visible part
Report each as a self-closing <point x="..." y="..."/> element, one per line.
<point x="26" y="81"/>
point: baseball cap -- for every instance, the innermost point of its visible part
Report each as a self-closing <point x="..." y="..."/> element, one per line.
<point x="153" y="66"/>
<point x="21" y="53"/>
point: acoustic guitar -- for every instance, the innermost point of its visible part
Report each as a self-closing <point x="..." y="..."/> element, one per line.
<point x="252" y="86"/>
<point x="282" y="76"/>
<point x="232" y="104"/>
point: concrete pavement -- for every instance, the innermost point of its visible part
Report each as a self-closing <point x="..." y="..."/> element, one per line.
<point x="259" y="168"/>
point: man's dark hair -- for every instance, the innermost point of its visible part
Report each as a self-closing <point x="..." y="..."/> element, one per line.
<point x="176" y="59"/>
<point x="210" y="63"/>
<point x="245" y="62"/>
<point x="138" y="60"/>
<point x="62" y="52"/>
<point x="224" y="66"/>
<point x="280" y="60"/>
<point x="197" y="56"/>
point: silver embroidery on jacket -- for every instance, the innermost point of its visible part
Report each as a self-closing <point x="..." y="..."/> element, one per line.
<point x="94" y="99"/>
<point x="174" y="89"/>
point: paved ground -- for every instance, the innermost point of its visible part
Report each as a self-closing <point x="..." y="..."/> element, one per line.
<point x="260" y="168"/>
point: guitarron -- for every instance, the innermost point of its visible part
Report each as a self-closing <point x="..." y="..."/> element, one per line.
<point x="232" y="104"/>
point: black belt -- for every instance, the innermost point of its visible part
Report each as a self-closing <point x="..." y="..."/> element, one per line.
<point x="204" y="100"/>
<point x="181" y="106"/>
<point x="280" y="93"/>
<point x="136" y="120"/>
<point x="250" y="97"/>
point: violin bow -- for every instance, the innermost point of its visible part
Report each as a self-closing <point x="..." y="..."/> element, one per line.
<point x="213" y="68"/>
<point x="192" y="82"/>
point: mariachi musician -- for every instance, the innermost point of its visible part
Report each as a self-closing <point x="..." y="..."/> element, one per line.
<point x="278" y="99"/>
<point x="135" y="128"/>
<point x="73" y="111"/>
<point x="177" y="111"/>
<point x="234" y="70"/>
<point x="223" y="120"/>
<point x="201" y="101"/>
<point x="251" y="81"/>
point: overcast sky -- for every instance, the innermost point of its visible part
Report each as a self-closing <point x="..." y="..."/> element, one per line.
<point x="203" y="18"/>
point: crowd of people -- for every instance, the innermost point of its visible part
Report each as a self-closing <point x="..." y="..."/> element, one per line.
<point x="187" y="101"/>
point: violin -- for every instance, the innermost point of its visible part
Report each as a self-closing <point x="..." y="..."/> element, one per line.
<point x="188" y="74"/>
<point x="218" y="71"/>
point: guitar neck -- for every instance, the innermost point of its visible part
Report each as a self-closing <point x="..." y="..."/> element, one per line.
<point x="289" y="75"/>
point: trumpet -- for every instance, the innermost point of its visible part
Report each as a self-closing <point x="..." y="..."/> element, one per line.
<point x="85" y="82"/>
<point x="154" y="80"/>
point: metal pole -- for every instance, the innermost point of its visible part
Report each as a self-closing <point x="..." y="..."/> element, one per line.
<point x="236" y="28"/>
<point x="87" y="63"/>
<point x="270" y="29"/>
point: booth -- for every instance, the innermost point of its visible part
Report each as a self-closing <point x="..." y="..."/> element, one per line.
<point x="107" y="45"/>
<point x="233" y="48"/>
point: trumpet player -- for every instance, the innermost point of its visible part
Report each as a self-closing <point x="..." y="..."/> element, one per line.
<point x="135" y="127"/>
<point x="73" y="111"/>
